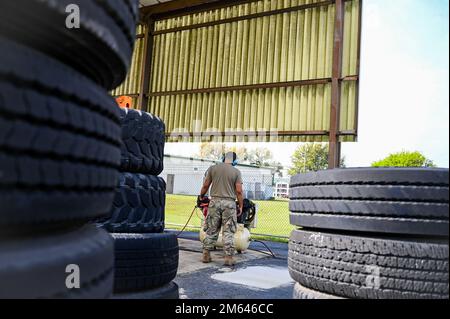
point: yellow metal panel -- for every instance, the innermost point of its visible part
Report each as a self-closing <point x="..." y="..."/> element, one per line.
<point x="291" y="46"/>
<point x="216" y="117"/>
<point x="351" y="41"/>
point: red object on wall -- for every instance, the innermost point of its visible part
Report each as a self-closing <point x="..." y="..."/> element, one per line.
<point x="125" y="102"/>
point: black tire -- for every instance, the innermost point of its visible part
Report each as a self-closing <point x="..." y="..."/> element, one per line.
<point x="169" y="291"/>
<point x="35" y="266"/>
<point x="138" y="206"/>
<point x="143" y="138"/>
<point x="133" y="8"/>
<point x="101" y="48"/>
<point x="380" y="200"/>
<point x="59" y="141"/>
<point x="372" y="192"/>
<point x="301" y="292"/>
<point x="144" y="261"/>
<point x="372" y="208"/>
<point x="391" y="176"/>
<point x="414" y="218"/>
<point x="374" y="225"/>
<point x="345" y="266"/>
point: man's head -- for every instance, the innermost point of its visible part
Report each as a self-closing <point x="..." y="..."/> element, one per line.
<point x="230" y="158"/>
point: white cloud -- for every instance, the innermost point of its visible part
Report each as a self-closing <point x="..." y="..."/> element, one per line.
<point x="403" y="98"/>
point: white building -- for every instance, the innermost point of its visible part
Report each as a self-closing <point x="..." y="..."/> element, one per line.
<point x="184" y="176"/>
<point x="281" y="188"/>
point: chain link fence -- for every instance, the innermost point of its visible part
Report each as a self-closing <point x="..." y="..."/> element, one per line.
<point x="184" y="179"/>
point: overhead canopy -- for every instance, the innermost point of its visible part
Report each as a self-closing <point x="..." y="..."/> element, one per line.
<point x="258" y="70"/>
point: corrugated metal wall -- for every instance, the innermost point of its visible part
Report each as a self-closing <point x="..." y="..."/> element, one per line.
<point x="132" y="83"/>
<point x="279" y="48"/>
<point x="286" y="109"/>
<point x="200" y="74"/>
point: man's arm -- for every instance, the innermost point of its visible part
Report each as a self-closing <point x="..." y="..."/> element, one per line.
<point x="206" y="183"/>
<point x="205" y="187"/>
<point x="240" y="196"/>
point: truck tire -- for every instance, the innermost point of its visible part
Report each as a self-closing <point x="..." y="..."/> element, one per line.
<point x="396" y="201"/>
<point x="369" y="268"/>
<point x="301" y="292"/>
<point x="138" y="206"/>
<point x="59" y="141"/>
<point x="143" y="142"/>
<point x="434" y="194"/>
<point x="102" y="46"/>
<point x="169" y="291"/>
<point x="386" y="225"/>
<point x="144" y="261"/>
<point x="36" y="267"/>
<point x="413" y="218"/>
<point x="133" y="8"/>
<point x="391" y="176"/>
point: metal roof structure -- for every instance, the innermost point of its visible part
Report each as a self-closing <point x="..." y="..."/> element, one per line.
<point x="241" y="70"/>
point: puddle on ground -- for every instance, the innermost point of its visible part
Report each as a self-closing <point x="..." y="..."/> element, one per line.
<point x="257" y="277"/>
<point x="225" y="270"/>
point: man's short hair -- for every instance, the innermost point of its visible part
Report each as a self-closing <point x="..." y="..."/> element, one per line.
<point x="230" y="157"/>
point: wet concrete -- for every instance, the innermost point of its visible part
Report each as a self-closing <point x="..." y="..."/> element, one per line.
<point x="256" y="275"/>
<point x="262" y="277"/>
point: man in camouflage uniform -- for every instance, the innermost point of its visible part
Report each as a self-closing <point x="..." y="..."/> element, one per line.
<point x="226" y="185"/>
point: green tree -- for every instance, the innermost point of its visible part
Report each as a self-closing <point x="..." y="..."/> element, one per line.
<point x="260" y="157"/>
<point x="215" y="151"/>
<point x="212" y="151"/>
<point x="405" y="159"/>
<point x="263" y="157"/>
<point x="310" y="157"/>
<point x="241" y="152"/>
<point x="277" y="168"/>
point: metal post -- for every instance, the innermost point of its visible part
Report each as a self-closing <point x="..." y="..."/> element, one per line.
<point x="334" y="156"/>
<point x="146" y="65"/>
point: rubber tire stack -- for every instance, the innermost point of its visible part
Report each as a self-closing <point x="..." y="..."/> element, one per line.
<point x="146" y="258"/>
<point x="376" y="233"/>
<point x="60" y="144"/>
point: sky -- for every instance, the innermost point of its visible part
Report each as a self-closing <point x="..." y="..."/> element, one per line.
<point x="404" y="86"/>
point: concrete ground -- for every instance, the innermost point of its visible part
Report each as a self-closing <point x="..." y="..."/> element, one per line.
<point x="256" y="275"/>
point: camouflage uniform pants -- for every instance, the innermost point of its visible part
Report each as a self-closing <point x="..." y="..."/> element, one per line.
<point x="221" y="213"/>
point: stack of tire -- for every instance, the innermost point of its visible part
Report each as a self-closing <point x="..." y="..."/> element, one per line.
<point x="59" y="143"/>
<point x="378" y="233"/>
<point x="146" y="258"/>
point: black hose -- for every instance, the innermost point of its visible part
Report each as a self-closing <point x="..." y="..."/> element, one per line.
<point x="187" y="223"/>
<point x="259" y="251"/>
<point x="271" y="252"/>
<point x="191" y="250"/>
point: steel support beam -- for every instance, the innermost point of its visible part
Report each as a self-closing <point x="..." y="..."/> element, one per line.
<point x="245" y="87"/>
<point x="146" y="65"/>
<point x="334" y="156"/>
<point x="253" y="86"/>
<point x="247" y="17"/>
